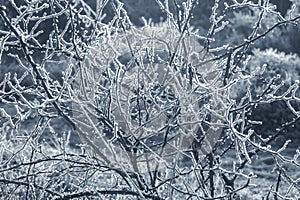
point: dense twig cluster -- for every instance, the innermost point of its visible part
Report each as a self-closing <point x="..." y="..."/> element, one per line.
<point x="94" y="107"/>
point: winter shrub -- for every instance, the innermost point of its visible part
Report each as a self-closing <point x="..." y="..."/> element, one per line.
<point x="98" y="108"/>
<point x="145" y="96"/>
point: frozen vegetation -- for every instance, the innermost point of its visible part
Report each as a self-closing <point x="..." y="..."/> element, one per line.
<point x="162" y="99"/>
